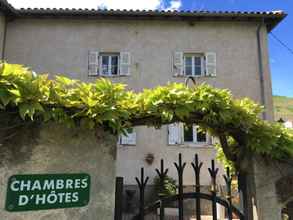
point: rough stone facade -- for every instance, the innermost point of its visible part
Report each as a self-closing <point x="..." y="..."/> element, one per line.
<point x="272" y="186"/>
<point x="52" y="148"/>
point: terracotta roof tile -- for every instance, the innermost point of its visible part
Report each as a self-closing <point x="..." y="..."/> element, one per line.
<point x="271" y="18"/>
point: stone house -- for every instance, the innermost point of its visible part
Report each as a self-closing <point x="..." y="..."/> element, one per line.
<point x="144" y="49"/>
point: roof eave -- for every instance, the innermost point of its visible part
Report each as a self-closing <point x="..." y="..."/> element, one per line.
<point x="7" y="8"/>
<point x="275" y="22"/>
<point x="271" y="19"/>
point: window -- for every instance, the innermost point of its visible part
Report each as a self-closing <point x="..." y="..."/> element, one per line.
<point x="201" y="136"/>
<point x="179" y="133"/>
<point x="109" y="64"/>
<point x="194" y="134"/>
<point x="188" y="133"/>
<point x="129" y="138"/>
<point x="194" y="65"/>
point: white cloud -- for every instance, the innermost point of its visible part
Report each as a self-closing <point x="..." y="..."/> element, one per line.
<point x="174" y="5"/>
<point x="110" y="4"/>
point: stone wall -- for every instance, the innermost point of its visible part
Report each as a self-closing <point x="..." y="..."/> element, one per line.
<point x="273" y="188"/>
<point x="50" y="149"/>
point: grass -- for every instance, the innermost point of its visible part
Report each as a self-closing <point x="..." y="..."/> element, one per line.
<point x="283" y="107"/>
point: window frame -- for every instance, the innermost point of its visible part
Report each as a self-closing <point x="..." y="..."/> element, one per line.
<point x="193" y="66"/>
<point x="130" y="131"/>
<point x="109" y="65"/>
<point x="194" y="135"/>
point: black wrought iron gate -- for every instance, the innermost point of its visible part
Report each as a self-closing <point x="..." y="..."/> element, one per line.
<point x="197" y="195"/>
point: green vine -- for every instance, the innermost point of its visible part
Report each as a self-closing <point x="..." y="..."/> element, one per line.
<point x="167" y="188"/>
<point x="235" y="121"/>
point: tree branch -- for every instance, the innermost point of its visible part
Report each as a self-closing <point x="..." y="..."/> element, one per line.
<point x="227" y="151"/>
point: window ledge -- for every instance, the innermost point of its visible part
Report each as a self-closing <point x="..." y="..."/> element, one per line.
<point x="125" y="145"/>
<point x="104" y="76"/>
<point x="184" y="76"/>
<point x="193" y="145"/>
<point x="197" y="145"/>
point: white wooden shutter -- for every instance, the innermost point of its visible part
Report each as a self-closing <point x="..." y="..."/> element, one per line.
<point x="175" y="132"/>
<point x="211" y="64"/>
<point x="93" y="63"/>
<point x="178" y="64"/>
<point x="125" y="63"/>
<point x="194" y="133"/>
<point x="130" y="139"/>
<point x="214" y="140"/>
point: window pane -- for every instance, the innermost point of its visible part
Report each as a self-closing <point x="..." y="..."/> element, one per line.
<point x="105" y="60"/>
<point x="188" y="65"/>
<point x="105" y="65"/>
<point x="197" y="61"/>
<point x="201" y="135"/>
<point x="188" y="133"/>
<point x="188" y="61"/>
<point x="188" y="70"/>
<point x="114" y="70"/>
<point x="114" y="60"/>
<point x="197" y="70"/>
<point x="114" y="65"/>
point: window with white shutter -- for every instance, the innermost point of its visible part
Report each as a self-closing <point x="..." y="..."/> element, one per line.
<point x="129" y="138"/>
<point x="211" y="64"/>
<point x="175" y="134"/>
<point x="109" y="64"/>
<point x="195" y="64"/>
<point x="214" y="140"/>
<point x="178" y="64"/>
<point x="125" y="62"/>
<point x="93" y="63"/>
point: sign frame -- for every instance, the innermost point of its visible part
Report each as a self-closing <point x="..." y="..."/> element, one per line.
<point x="47" y="191"/>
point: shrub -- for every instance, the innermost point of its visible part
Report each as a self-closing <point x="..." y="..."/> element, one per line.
<point x="169" y="186"/>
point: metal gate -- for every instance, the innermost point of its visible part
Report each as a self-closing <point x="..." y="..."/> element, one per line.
<point x="197" y="195"/>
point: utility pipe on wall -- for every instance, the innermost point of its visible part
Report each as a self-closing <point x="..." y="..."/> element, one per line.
<point x="260" y="62"/>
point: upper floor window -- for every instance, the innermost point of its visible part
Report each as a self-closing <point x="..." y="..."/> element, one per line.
<point x="194" y="64"/>
<point x="108" y="64"/>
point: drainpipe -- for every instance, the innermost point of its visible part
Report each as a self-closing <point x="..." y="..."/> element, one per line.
<point x="4" y="38"/>
<point x="260" y="62"/>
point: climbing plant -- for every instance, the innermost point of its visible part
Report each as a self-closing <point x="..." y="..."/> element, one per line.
<point x="167" y="188"/>
<point x="236" y="122"/>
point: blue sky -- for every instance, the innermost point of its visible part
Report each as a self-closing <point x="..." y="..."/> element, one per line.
<point x="281" y="60"/>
